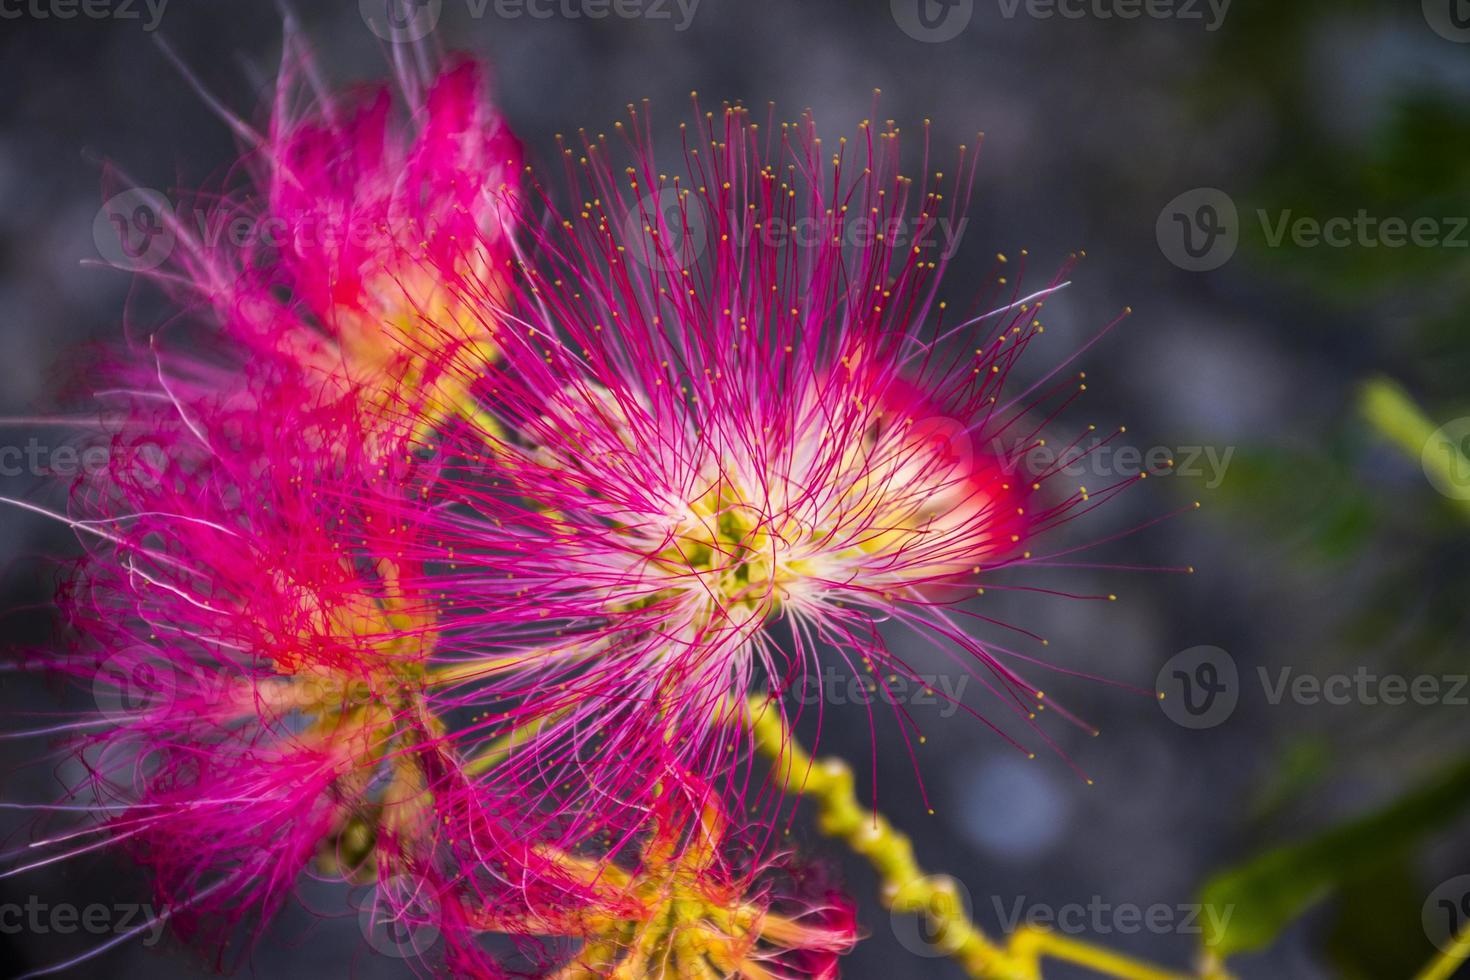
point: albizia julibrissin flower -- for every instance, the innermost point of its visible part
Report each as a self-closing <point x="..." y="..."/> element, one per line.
<point x="262" y="653"/>
<point x="732" y="430"/>
<point x="689" y="902"/>
<point x="360" y="216"/>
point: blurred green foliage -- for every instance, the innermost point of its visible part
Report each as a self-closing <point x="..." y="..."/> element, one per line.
<point x="1358" y="500"/>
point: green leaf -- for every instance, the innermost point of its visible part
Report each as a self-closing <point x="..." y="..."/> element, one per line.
<point x="1271" y="891"/>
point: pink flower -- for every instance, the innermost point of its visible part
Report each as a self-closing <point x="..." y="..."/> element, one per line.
<point x="262" y="651"/>
<point x="374" y="246"/>
<point x="720" y="455"/>
<point x="383" y="226"/>
<point x="468" y="535"/>
<point x="688" y="903"/>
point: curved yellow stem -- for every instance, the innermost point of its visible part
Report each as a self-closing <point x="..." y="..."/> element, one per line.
<point x="1443" y="966"/>
<point x="830" y="785"/>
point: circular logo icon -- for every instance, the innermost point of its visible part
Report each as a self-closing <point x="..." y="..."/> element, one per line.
<point x="1199" y="688"/>
<point x="401" y="917"/>
<point x="932" y="21"/>
<point x="1446" y="459"/>
<point x="401" y="21"/>
<point x="133" y="683"/>
<point x="665" y="231"/>
<point x="944" y="447"/>
<point x="1450" y="19"/>
<point x="1446" y="912"/>
<point x="917" y="907"/>
<point x="134" y="230"/>
<point x="1199" y="230"/>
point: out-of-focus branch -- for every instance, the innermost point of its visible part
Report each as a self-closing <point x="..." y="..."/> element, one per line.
<point x="1390" y="410"/>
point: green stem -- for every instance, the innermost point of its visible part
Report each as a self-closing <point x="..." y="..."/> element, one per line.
<point x="1390" y="410"/>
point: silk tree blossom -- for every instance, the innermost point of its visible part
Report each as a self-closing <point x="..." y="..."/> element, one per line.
<point x="382" y="222"/>
<point x="715" y="459"/>
<point x="363" y="217"/>
<point x="472" y="525"/>
<point x="689" y="902"/>
<point x="264" y="660"/>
